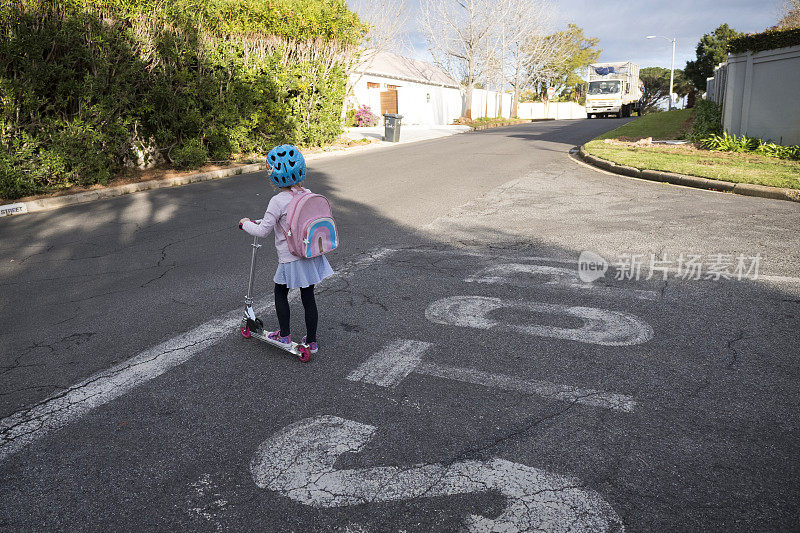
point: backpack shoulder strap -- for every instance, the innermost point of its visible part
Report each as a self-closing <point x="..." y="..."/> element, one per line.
<point x="295" y="195"/>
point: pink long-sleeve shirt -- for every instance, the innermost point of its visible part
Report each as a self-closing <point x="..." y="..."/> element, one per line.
<point x="276" y="212"/>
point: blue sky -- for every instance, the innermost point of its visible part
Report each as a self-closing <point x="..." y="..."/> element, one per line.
<point x="623" y="25"/>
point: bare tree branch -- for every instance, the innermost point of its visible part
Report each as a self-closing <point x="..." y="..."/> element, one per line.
<point x="385" y="20"/>
<point x="458" y="35"/>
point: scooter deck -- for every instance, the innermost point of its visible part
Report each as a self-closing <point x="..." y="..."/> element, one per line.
<point x="263" y="337"/>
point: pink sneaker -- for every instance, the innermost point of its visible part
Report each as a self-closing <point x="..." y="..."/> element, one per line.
<point x="312" y="347"/>
<point x="276" y="336"/>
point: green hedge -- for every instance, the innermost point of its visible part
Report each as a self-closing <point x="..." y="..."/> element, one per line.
<point x="707" y="120"/>
<point x="768" y="40"/>
<point x="84" y="84"/>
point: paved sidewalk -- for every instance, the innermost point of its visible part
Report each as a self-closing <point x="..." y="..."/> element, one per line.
<point x="408" y="133"/>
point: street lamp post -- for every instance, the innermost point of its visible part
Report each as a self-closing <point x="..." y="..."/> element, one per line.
<point x="671" y="70"/>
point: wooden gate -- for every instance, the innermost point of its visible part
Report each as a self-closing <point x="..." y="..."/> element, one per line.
<point x="389" y="101"/>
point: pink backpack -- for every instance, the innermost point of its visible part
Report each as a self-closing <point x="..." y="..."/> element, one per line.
<point x="311" y="229"/>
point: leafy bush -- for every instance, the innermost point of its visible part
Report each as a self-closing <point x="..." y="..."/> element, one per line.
<point x="729" y="143"/>
<point x="364" y="117"/>
<point x="707" y="120"/>
<point x="83" y="82"/>
<point x="350" y="117"/>
<point x="776" y="150"/>
<point x="733" y="143"/>
<point x="768" y="40"/>
<point x="191" y="154"/>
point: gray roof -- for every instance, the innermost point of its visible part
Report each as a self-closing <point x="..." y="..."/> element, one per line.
<point x="391" y="65"/>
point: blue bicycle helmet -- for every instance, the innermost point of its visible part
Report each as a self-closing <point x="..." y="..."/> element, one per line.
<point x="288" y="165"/>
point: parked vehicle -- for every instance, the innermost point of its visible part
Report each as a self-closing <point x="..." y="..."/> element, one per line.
<point x="614" y="89"/>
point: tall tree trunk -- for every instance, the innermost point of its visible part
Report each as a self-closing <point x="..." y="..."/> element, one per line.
<point x="515" y="102"/>
<point x="470" y="84"/>
<point x="468" y="102"/>
<point x="500" y="104"/>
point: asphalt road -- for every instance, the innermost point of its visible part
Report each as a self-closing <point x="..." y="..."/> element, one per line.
<point x="467" y="377"/>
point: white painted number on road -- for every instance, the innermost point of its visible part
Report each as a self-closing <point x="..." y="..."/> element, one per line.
<point x="298" y="462"/>
<point x="397" y="360"/>
<point x="600" y="326"/>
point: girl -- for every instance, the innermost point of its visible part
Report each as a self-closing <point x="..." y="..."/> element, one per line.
<point x="288" y="168"/>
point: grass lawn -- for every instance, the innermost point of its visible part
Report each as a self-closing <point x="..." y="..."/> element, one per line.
<point x="662" y="126"/>
<point x="687" y="158"/>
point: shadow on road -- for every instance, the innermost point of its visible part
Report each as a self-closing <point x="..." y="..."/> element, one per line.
<point x="88" y="286"/>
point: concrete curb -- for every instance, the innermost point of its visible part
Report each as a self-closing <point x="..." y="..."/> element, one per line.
<point x="745" y="189"/>
<point x="55" y="202"/>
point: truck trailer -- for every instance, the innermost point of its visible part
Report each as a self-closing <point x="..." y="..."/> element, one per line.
<point x="613" y="89"/>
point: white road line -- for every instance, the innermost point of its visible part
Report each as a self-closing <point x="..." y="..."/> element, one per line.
<point x="559" y="260"/>
<point x="544" y="389"/>
<point x="499" y="257"/>
<point x="780" y="279"/>
<point x="525" y="275"/>
<point x="392" y="364"/>
<point x="398" y="359"/>
<point x="26" y="426"/>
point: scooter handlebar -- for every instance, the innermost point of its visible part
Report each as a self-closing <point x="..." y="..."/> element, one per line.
<point x="253" y="221"/>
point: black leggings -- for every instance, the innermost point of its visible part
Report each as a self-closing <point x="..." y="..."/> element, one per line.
<point x="309" y="304"/>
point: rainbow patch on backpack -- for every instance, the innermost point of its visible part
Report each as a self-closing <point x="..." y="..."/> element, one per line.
<point x="320" y="237"/>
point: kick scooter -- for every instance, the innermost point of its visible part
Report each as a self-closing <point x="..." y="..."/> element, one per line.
<point x="252" y="326"/>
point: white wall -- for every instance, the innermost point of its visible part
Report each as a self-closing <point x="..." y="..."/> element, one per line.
<point x="490" y="104"/>
<point x="760" y="96"/>
<point x="431" y="105"/>
<point x="419" y="103"/>
<point x="428" y="104"/>
<point x="555" y="110"/>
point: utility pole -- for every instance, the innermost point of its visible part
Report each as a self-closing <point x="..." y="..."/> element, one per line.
<point x="672" y="69"/>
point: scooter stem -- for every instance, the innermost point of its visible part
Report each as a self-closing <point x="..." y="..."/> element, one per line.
<point x="248" y="301"/>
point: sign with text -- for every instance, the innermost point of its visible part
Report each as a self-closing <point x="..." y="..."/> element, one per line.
<point x="13" y="209"/>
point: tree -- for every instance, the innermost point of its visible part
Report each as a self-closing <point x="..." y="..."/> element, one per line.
<point x="711" y="51"/>
<point x="384" y="21"/>
<point x="790" y="17"/>
<point x="516" y="42"/>
<point x="656" y="86"/>
<point x="578" y="52"/>
<point x="535" y="52"/>
<point x="458" y="36"/>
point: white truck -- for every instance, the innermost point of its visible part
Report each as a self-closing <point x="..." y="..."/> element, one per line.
<point x="613" y="89"/>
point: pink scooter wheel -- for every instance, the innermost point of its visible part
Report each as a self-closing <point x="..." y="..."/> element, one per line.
<point x="245" y="330"/>
<point x="305" y="354"/>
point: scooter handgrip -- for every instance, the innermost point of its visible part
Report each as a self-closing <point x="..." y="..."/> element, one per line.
<point x="241" y="226"/>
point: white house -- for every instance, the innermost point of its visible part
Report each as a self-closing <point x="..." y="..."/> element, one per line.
<point x="420" y="91"/>
<point x="425" y="94"/>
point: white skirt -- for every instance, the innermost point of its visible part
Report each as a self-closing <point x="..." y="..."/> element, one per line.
<point x="303" y="272"/>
